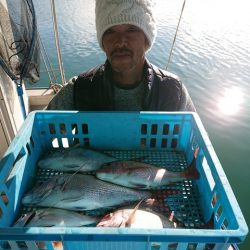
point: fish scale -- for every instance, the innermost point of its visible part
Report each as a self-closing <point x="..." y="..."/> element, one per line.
<point x="80" y="192"/>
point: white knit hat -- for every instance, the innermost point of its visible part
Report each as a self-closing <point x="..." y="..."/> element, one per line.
<point x="136" y="12"/>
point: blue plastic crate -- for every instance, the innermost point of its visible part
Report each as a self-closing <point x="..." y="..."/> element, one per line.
<point x="170" y="138"/>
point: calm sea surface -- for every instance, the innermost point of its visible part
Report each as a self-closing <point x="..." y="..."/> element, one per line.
<point x="211" y="56"/>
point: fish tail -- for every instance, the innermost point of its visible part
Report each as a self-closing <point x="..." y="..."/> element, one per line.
<point x="192" y="172"/>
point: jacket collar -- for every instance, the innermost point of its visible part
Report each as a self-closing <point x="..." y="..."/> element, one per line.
<point x="150" y="76"/>
<point x="148" y="72"/>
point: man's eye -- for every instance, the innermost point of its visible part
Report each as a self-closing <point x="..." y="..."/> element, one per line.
<point x="133" y="29"/>
<point x="109" y="31"/>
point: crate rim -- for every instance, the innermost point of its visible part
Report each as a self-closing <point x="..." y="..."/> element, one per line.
<point x="218" y="234"/>
<point x="200" y="235"/>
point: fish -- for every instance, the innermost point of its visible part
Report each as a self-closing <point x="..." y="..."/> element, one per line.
<point x="136" y="218"/>
<point x="74" y="159"/>
<point x="55" y="217"/>
<point x="147" y="218"/>
<point x="141" y="175"/>
<point x="80" y="192"/>
<point x="142" y="219"/>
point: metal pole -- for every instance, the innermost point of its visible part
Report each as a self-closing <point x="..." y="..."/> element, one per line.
<point x="20" y="95"/>
<point x="57" y="41"/>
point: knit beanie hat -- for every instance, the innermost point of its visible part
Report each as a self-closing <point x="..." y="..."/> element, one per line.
<point x="135" y="12"/>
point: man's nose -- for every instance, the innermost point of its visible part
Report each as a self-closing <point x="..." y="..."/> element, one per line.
<point x="121" y="39"/>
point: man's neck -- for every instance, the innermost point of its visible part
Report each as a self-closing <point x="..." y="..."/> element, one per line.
<point x="131" y="77"/>
<point x="124" y="80"/>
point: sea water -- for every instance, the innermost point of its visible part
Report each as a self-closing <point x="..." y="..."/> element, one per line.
<point x="211" y="55"/>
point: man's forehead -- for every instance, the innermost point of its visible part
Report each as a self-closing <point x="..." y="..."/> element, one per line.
<point x="124" y="26"/>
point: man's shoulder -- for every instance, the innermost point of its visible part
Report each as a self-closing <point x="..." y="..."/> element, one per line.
<point x="166" y="79"/>
<point x="164" y="74"/>
<point x="92" y="72"/>
<point x="171" y="90"/>
<point x="89" y="80"/>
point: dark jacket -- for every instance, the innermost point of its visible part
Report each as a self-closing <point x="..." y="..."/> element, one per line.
<point x="93" y="91"/>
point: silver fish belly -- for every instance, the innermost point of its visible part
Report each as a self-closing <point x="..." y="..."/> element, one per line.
<point x="54" y="217"/>
<point x="75" y="159"/>
<point x="141" y="175"/>
<point x="80" y="192"/>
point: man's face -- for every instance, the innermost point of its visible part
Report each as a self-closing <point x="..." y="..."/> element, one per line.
<point x="125" y="46"/>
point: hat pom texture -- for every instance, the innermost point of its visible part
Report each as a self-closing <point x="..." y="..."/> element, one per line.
<point x="135" y="12"/>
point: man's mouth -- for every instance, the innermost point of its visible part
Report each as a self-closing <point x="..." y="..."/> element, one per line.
<point x="121" y="53"/>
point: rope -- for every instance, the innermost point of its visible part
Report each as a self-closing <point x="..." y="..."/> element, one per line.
<point x="45" y="64"/>
<point x="57" y="41"/>
<point x="169" y="58"/>
<point x="48" y="68"/>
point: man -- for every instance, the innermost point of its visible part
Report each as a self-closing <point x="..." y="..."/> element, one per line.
<point x="127" y="81"/>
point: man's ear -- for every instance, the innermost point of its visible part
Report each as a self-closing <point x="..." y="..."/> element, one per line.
<point x="147" y="46"/>
<point x="103" y="48"/>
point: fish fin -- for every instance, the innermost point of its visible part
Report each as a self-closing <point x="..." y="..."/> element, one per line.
<point x="25" y="219"/>
<point x="139" y="167"/>
<point x="131" y="217"/>
<point x="72" y="166"/>
<point x="138" y="185"/>
<point x="67" y="150"/>
<point x="31" y="216"/>
<point x="46" y="194"/>
<point x="72" y="199"/>
<point x="104" y="153"/>
<point x="79" y="208"/>
<point x="122" y="224"/>
<point x="63" y="184"/>
<point x="77" y="145"/>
